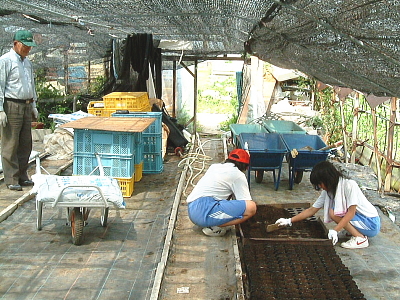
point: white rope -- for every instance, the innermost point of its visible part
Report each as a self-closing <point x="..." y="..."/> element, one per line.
<point x="196" y="162"/>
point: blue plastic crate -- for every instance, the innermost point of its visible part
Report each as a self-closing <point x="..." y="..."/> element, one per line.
<point x="152" y="135"/>
<point x="152" y="143"/>
<point x="105" y="142"/>
<point x="283" y="127"/>
<point x="308" y="153"/>
<point x="152" y="163"/>
<point x="267" y="151"/>
<point x="113" y="165"/>
<point x="155" y="127"/>
<point x="139" y="149"/>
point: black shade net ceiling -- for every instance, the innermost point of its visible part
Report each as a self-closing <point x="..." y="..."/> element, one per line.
<point x="353" y="44"/>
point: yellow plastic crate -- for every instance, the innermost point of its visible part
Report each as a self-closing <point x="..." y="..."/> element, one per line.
<point x="127" y="186"/>
<point x="144" y="109"/>
<point x="96" y="108"/>
<point x="101" y="112"/>
<point x="132" y="101"/>
<point x="96" y="104"/>
<point x="138" y="171"/>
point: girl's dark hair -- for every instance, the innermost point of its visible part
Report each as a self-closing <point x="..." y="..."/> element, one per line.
<point x="240" y="165"/>
<point x="326" y="173"/>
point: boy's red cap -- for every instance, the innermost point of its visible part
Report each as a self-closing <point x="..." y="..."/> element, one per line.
<point x="240" y="155"/>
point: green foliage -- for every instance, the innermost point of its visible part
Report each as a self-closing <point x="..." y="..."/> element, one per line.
<point x="366" y="125"/>
<point x="218" y="97"/>
<point x="44" y="89"/>
<point x="330" y="115"/>
<point x="97" y="86"/>
<point x="53" y="101"/>
<point x="315" y="122"/>
<point x="328" y="106"/>
<point x="224" y="126"/>
<point x="52" y="106"/>
<point x="304" y="83"/>
<point x="183" y="118"/>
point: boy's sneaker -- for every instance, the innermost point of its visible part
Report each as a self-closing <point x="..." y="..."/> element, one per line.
<point x="356" y="242"/>
<point x="344" y="234"/>
<point x="214" y="231"/>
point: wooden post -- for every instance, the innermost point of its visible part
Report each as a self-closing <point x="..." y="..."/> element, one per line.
<point x="174" y="89"/>
<point x="106" y="67"/>
<point x="89" y="78"/>
<point x="66" y="73"/>
<point x="195" y="97"/>
<point x="343" y="129"/>
<point x="74" y="104"/>
<point x="389" y="166"/>
<point x="376" y="150"/>
<point x="356" y="106"/>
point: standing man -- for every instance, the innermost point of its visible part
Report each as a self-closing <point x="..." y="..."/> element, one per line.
<point x="17" y="107"/>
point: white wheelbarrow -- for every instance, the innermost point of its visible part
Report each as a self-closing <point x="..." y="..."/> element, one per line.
<point x="78" y="194"/>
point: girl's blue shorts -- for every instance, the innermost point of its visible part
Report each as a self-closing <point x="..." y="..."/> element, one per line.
<point x="208" y="211"/>
<point x="367" y="226"/>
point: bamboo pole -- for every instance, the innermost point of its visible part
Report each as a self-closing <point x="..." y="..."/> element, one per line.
<point x="66" y="73"/>
<point x="356" y="106"/>
<point x="343" y="129"/>
<point x="174" y="89"/>
<point x="389" y="166"/>
<point x="376" y="150"/>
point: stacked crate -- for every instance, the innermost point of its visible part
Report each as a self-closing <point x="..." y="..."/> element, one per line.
<point x="131" y="101"/>
<point x="115" y="150"/>
<point x="152" y="161"/>
<point x="126" y="169"/>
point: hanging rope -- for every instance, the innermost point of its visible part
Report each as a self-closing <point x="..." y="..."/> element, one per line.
<point x="196" y="162"/>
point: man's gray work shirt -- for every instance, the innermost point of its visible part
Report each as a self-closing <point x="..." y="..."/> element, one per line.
<point x="16" y="78"/>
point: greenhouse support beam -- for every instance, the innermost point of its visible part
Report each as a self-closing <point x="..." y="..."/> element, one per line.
<point x="356" y="106"/>
<point x="390" y="135"/>
<point x="376" y="149"/>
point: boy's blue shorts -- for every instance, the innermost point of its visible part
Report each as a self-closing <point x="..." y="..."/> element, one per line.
<point x="367" y="226"/>
<point x="208" y="211"/>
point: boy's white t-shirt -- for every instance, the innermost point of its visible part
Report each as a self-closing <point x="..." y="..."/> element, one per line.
<point x="352" y="195"/>
<point x="220" y="181"/>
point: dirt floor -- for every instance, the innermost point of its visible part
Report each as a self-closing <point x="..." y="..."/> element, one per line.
<point x="118" y="261"/>
<point x="128" y="259"/>
<point x="200" y="267"/>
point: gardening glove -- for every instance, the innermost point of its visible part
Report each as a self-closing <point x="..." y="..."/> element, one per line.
<point x="332" y="235"/>
<point x="284" y="222"/>
<point x="3" y="119"/>
<point x="35" y="113"/>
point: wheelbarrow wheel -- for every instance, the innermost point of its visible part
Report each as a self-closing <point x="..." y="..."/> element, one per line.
<point x="298" y="176"/>
<point x="178" y="151"/>
<point x="77" y="221"/>
<point x="259" y="174"/>
<point x="39" y="215"/>
<point x="104" y="217"/>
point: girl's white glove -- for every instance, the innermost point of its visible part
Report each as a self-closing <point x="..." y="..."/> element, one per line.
<point x="284" y="222"/>
<point x="332" y="235"/>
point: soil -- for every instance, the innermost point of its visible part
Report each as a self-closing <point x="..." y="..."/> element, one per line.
<point x="291" y="263"/>
<point x="256" y="227"/>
